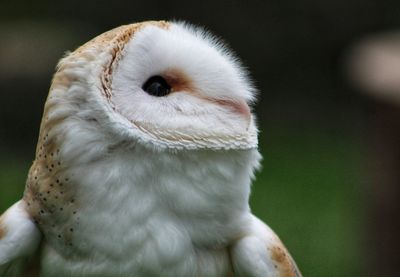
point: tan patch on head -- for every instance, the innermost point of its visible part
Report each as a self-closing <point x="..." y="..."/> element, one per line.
<point x="114" y="42"/>
<point x="117" y="35"/>
<point x="179" y="81"/>
<point x="284" y="262"/>
<point x="3" y="230"/>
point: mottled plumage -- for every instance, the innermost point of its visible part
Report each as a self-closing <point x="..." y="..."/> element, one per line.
<point x="130" y="183"/>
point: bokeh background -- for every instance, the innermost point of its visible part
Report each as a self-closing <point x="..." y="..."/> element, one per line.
<point x="328" y="73"/>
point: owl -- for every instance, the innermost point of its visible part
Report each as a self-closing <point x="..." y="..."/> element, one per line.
<point x="143" y="167"/>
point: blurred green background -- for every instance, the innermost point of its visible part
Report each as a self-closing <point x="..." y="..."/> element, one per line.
<point x="318" y="130"/>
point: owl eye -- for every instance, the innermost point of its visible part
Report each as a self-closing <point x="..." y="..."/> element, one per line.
<point x="157" y="86"/>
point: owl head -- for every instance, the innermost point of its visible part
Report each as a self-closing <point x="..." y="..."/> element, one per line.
<point x="163" y="85"/>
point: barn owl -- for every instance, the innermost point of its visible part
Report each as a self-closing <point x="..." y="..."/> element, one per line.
<point x="145" y="157"/>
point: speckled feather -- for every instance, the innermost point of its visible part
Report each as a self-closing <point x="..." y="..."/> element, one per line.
<point x="49" y="194"/>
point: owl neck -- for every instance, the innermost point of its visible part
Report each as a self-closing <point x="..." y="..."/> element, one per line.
<point x="205" y="192"/>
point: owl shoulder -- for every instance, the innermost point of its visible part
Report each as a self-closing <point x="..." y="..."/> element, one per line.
<point x="260" y="252"/>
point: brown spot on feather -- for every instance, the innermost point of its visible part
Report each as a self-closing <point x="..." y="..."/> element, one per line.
<point x="239" y="106"/>
<point x="284" y="262"/>
<point x="178" y="81"/>
<point x="3" y="229"/>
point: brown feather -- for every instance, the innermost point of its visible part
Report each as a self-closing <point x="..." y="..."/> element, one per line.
<point x="284" y="262"/>
<point x="49" y="193"/>
<point x="3" y="229"/>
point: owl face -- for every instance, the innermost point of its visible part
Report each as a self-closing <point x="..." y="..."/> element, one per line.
<point x="173" y="86"/>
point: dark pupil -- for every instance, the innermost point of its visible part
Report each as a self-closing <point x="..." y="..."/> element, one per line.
<point x="156" y="86"/>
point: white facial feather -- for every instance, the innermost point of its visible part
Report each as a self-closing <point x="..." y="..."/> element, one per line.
<point x="212" y="78"/>
<point x="212" y="68"/>
<point x="129" y="184"/>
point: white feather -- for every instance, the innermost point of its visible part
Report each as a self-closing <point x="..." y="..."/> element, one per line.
<point x="20" y="239"/>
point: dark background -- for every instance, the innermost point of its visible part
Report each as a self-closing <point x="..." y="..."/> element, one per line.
<point x="320" y="135"/>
